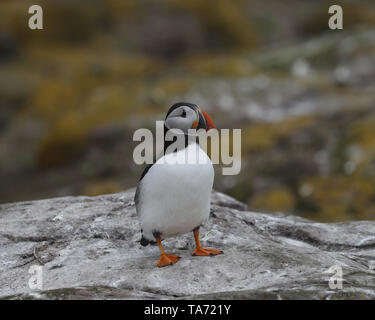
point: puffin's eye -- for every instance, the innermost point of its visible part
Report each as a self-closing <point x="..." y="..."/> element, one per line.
<point x="183" y="114"/>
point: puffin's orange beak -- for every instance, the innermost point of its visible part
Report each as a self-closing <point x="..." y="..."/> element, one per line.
<point x="210" y="123"/>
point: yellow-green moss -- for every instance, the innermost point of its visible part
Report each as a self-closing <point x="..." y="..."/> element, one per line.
<point x="276" y="200"/>
<point x="102" y="187"/>
<point x="207" y="65"/>
<point x="63" y="143"/>
<point x="53" y="98"/>
<point x="342" y="197"/>
<point x="362" y="132"/>
<point x="265" y="135"/>
<point x="223" y="18"/>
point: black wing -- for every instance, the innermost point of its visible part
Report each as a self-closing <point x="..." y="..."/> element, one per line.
<point x="138" y="190"/>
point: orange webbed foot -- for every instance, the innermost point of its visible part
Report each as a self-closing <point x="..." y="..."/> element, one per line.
<point x="167" y="260"/>
<point x="206" y="252"/>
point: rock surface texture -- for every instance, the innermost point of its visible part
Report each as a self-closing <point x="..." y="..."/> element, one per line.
<point x="88" y="248"/>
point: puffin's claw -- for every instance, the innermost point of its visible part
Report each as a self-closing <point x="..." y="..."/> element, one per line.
<point x="167" y="260"/>
<point x="206" y="252"/>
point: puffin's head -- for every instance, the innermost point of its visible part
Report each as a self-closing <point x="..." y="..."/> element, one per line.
<point x="185" y="116"/>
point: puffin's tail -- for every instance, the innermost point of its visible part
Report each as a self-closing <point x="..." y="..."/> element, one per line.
<point x="145" y="242"/>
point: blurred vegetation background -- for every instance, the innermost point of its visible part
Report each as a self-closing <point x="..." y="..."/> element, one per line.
<point x="72" y="95"/>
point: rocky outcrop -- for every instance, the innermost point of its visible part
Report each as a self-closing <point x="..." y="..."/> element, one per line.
<point x="88" y="248"/>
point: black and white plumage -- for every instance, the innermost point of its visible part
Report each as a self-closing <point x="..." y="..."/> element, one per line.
<point x="173" y="195"/>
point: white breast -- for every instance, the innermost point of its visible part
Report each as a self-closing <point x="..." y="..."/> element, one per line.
<point x="175" y="194"/>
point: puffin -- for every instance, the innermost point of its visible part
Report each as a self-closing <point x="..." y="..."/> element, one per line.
<point x="173" y="197"/>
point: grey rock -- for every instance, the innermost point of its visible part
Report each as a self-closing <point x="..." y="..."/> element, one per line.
<point x="88" y="248"/>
